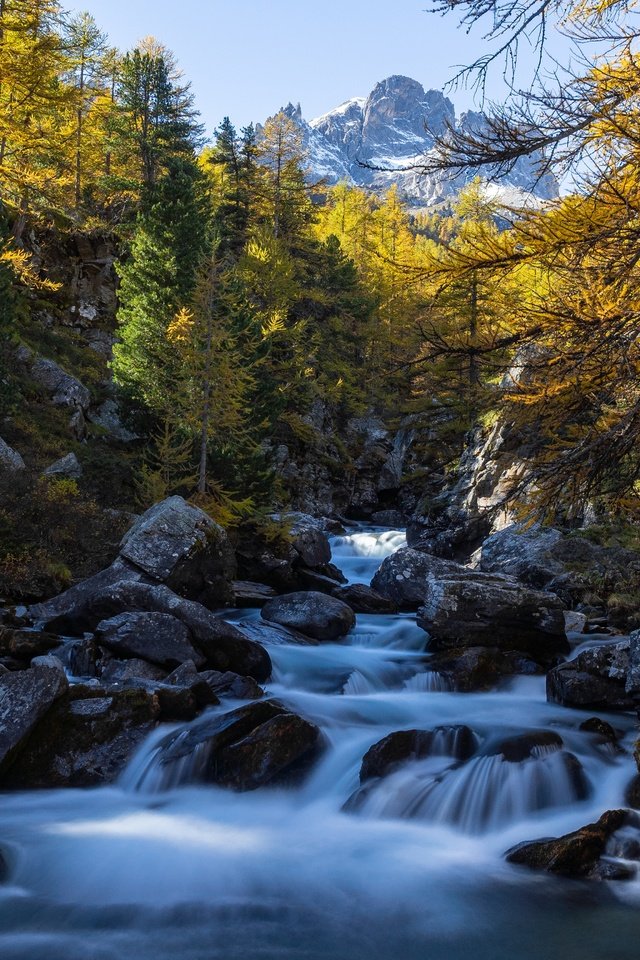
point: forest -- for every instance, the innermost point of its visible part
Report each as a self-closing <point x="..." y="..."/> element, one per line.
<point x="319" y="510"/>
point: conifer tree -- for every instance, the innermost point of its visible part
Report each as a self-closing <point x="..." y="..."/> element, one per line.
<point x="156" y="280"/>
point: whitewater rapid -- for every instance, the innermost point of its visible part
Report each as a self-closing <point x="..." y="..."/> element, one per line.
<point x="417" y="871"/>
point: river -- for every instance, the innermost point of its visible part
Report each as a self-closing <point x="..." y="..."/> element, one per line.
<point x="138" y="872"/>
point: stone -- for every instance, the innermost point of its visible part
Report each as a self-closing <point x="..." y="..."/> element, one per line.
<point x="229" y="684"/>
<point x="523" y="746"/>
<point x="178" y="544"/>
<point x="68" y="466"/>
<point x="307" y="537"/>
<point x="314" y="614"/>
<point x="157" y="637"/>
<point x="63" y="389"/>
<point x="10" y="460"/>
<point x="466" y="608"/>
<point x="85" y="740"/>
<point x="107" y="416"/>
<point x="82" y="608"/>
<point x="457" y="742"/>
<point x="603" y="730"/>
<point x="575" y="854"/>
<point x="256" y="745"/>
<point x="25" y="698"/>
<point x="632" y="793"/>
<point x="120" y="671"/>
<point x="273" y="633"/>
<point x="595" y="679"/>
<point x="403" y="576"/>
<point x="249" y="594"/>
<point x="574" y="622"/>
<point x="364" y="599"/>
<point x="25" y="644"/>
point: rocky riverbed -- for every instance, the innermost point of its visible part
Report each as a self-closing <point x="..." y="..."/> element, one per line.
<point x="369" y="751"/>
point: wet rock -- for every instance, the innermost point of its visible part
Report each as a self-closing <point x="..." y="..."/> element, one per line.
<point x="308" y="538"/>
<point x="179" y="545"/>
<point x="312" y="613"/>
<point x="231" y="685"/>
<point x="468" y="609"/>
<point x="248" y="594"/>
<point x="601" y="728"/>
<point x="10" y="460"/>
<point x="221" y="644"/>
<point x="632" y="793"/>
<point x="26" y="644"/>
<point x="120" y="671"/>
<point x="157" y="637"/>
<point x="200" y="685"/>
<point x="68" y="466"/>
<point x="271" y="633"/>
<point x="575" y="854"/>
<point x="388" y="518"/>
<point x="474" y="668"/>
<point x="296" y="549"/>
<point x="533" y="743"/>
<point x="259" y="744"/>
<point x="363" y="599"/>
<point x="458" y="742"/>
<point x="86" y="741"/>
<point x="404" y="575"/>
<point x="596" y="678"/>
<point x="25" y="698"/>
<point x="81" y="657"/>
<point x="63" y="389"/>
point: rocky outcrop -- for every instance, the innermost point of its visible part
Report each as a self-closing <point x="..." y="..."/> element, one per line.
<point x="604" y="676"/>
<point x="63" y="389"/>
<point x="260" y="744"/>
<point x="466" y="608"/>
<point x="577" y="854"/>
<point x="83" y="607"/>
<point x="313" y="614"/>
<point x="25" y="698"/>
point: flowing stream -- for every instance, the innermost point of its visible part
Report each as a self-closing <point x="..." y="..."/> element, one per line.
<point x="148" y="870"/>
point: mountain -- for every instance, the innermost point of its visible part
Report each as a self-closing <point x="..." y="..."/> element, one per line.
<point x="392" y="129"/>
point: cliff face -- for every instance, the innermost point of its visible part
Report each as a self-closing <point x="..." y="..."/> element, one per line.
<point x="392" y="131"/>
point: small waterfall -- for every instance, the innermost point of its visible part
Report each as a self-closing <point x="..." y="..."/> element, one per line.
<point x="358" y="684"/>
<point x="428" y="682"/>
<point x="484" y="794"/>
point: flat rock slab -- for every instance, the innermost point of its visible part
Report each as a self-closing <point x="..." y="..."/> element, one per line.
<point x="314" y="614"/>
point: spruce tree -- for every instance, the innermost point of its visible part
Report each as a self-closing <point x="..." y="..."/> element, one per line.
<point x="156" y="281"/>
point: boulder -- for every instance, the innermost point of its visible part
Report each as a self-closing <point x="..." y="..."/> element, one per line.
<point x="10" y="459"/>
<point x="260" y="744"/>
<point x="229" y="684"/>
<point x="120" y="671"/>
<point x="68" y="466"/>
<point x="25" y="698"/>
<point x="272" y="633"/>
<point x="458" y="742"/>
<point x="575" y="854"/>
<point x="180" y="545"/>
<point x="25" y="644"/>
<point x="523" y="746"/>
<point x="223" y="647"/>
<point x="158" y="637"/>
<point x="596" y="678"/>
<point x="63" y="389"/>
<point x="86" y="739"/>
<point x="403" y="576"/>
<point x="314" y="614"/>
<point x="466" y="608"/>
<point x="603" y="730"/>
<point x="249" y="594"/>
<point x="285" y="557"/>
<point x="364" y="599"/>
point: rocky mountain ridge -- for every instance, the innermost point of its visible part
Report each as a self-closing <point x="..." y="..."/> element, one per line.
<point x="392" y="130"/>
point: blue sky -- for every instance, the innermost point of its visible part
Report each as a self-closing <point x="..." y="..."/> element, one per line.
<point x="247" y="58"/>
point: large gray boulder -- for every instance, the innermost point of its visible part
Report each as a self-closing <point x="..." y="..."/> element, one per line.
<point x="82" y="608"/>
<point x="10" y="460"/>
<point x="158" y="637"/>
<point x="25" y="697"/>
<point x="180" y="545"/>
<point x="68" y="466"/>
<point x="599" y="677"/>
<point x="403" y="576"/>
<point x="466" y="608"/>
<point x="314" y="614"/>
